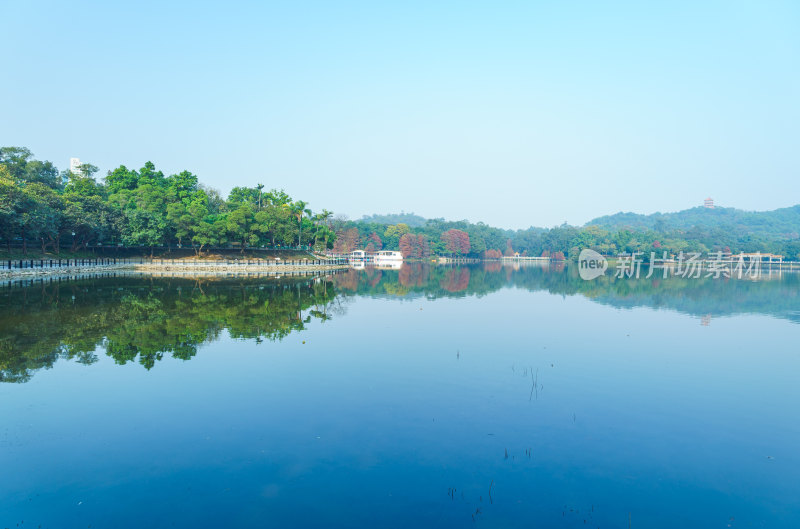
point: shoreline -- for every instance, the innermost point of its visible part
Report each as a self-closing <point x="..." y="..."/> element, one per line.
<point x="174" y="268"/>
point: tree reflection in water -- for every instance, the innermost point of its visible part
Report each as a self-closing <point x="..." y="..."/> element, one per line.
<point x="135" y="318"/>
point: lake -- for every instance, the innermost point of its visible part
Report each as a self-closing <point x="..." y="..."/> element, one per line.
<point x="430" y="396"/>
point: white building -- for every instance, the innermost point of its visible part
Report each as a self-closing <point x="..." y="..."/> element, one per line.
<point x="75" y="166"/>
<point x="388" y="257"/>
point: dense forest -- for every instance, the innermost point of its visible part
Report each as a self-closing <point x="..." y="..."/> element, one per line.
<point x="701" y="230"/>
<point x="145" y="209"/>
<point x="561" y="242"/>
<point x="780" y="223"/>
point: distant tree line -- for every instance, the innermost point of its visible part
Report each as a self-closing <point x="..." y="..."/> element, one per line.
<point x="562" y="242"/>
<point x="779" y="223"/>
<point x="144" y="208"/>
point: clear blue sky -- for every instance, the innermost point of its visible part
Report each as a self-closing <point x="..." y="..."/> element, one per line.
<point x="513" y="113"/>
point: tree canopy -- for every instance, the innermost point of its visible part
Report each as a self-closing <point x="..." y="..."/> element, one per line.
<point x="144" y="208"/>
<point x="774" y="232"/>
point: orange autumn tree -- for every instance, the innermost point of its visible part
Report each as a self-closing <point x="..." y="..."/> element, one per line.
<point x="456" y="242"/>
<point x="414" y="245"/>
<point x="374" y="243"/>
<point x="347" y="241"/>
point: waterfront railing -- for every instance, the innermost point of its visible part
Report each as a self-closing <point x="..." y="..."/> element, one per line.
<point x="26" y="264"/>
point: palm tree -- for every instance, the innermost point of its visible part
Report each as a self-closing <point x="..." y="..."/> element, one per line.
<point x="259" y="187"/>
<point x="298" y="209"/>
<point x="322" y="231"/>
<point x="320" y="221"/>
<point x="323" y="217"/>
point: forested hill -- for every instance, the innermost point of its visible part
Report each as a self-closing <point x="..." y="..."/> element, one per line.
<point x="779" y="223"/>
<point x="409" y="219"/>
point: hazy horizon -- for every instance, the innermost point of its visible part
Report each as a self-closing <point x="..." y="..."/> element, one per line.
<point x="516" y="115"/>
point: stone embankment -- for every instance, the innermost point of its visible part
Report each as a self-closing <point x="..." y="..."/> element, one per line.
<point x="188" y="267"/>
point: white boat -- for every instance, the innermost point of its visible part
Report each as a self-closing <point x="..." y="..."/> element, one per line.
<point x="358" y="255"/>
<point x="388" y="256"/>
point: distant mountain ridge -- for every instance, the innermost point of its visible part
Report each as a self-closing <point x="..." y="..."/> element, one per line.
<point x="783" y="222"/>
<point x="410" y="219"/>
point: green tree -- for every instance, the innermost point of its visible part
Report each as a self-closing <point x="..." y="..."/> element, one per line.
<point x="298" y="209"/>
<point x="120" y="179"/>
<point x="210" y="231"/>
<point x="391" y="237"/>
<point x="183" y="186"/>
<point x="241" y="224"/>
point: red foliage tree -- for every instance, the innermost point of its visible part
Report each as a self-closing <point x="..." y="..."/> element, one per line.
<point x="456" y="241"/>
<point x="509" y="249"/>
<point x="424" y="246"/>
<point x="408" y="245"/>
<point x="414" y="245"/>
<point x="375" y="240"/>
<point x="557" y="256"/>
<point x="492" y="254"/>
<point x="347" y="241"/>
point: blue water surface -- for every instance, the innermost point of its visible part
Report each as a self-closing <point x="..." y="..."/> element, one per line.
<point x="513" y="407"/>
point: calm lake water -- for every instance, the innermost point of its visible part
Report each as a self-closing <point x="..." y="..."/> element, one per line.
<point x="477" y="396"/>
